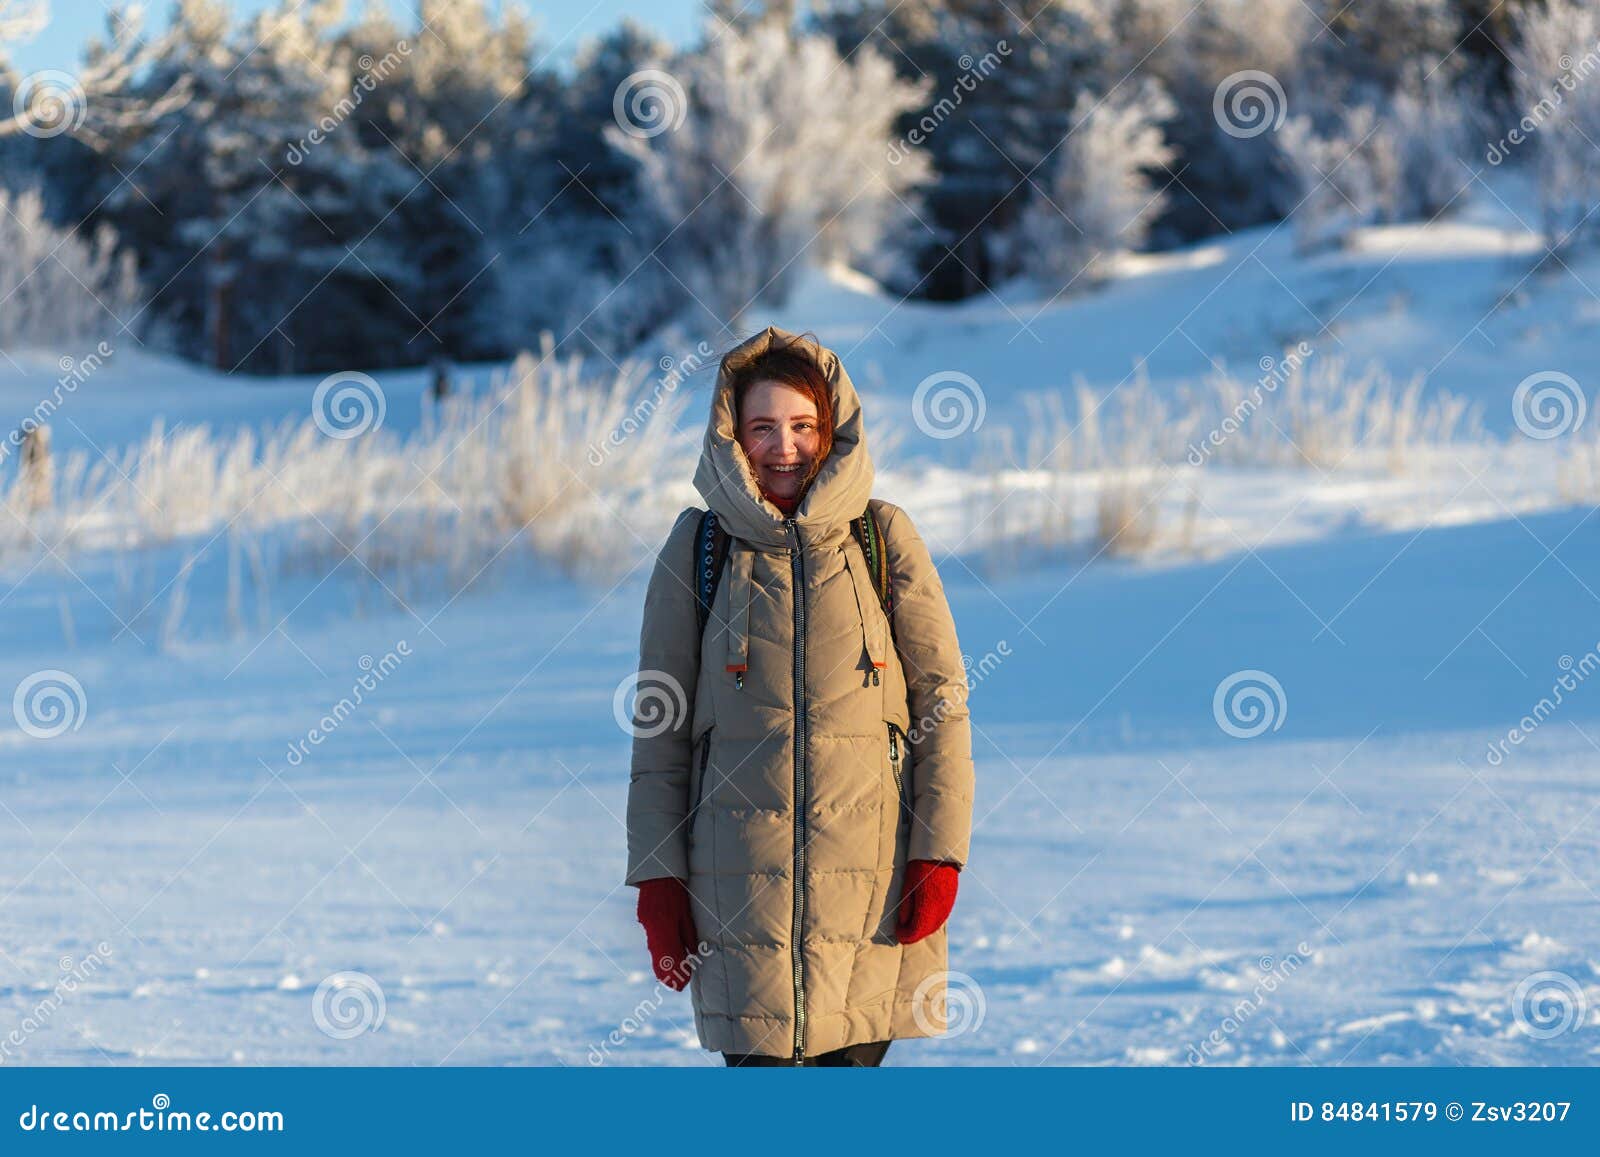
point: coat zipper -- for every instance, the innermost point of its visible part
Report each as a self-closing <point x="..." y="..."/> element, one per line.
<point x="797" y="930"/>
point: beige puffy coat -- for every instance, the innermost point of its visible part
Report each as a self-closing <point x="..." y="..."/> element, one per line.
<point x="780" y="801"/>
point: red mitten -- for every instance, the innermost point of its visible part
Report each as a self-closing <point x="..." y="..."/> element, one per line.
<point x="668" y="921"/>
<point x="926" y="897"/>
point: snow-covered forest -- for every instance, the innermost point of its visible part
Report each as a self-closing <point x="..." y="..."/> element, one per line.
<point x="317" y="187"/>
<point x="353" y="368"/>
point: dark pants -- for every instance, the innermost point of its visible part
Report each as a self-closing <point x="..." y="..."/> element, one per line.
<point x="863" y="1056"/>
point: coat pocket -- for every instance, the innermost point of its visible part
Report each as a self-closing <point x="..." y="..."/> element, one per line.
<point x="699" y="781"/>
<point x="897" y="750"/>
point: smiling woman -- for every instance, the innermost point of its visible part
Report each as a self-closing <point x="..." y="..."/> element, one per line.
<point x="795" y="841"/>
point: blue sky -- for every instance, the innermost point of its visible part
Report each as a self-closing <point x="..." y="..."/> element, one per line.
<point x="565" y="21"/>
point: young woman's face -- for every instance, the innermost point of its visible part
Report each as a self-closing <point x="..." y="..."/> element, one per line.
<point x="778" y="430"/>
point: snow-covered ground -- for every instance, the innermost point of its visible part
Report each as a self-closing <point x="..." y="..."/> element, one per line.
<point x="1396" y="869"/>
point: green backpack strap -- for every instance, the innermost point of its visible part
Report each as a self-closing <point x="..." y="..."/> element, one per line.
<point x="870" y="535"/>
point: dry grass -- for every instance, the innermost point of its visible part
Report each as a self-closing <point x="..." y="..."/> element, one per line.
<point x="552" y="459"/>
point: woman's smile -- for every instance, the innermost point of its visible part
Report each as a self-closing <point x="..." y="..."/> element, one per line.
<point x="783" y="479"/>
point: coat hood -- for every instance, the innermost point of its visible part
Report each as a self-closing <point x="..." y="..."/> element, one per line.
<point x="727" y="481"/>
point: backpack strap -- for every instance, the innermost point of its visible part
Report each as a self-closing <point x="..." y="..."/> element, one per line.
<point x="870" y="536"/>
<point x="711" y="555"/>
<point x="711" y="551"/>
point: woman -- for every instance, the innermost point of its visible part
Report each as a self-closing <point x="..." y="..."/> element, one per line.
<point x="795" y="839"/>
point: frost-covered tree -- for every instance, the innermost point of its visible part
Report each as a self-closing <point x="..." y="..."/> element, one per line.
<point x="472" y="120"/>
<point x="1106" y="186"/>
<point x="583" y="236"/>
<point x="1433" y="129"/>
<point x="265" y="226"/>
<point x="94" y="105"/>
<point x="1340" y="175"/>
<point x="1000" y="82"/>
<point x="1361" y="52"/>
<point x="1558" y="94"/>
<point x="59" y="287"/>
<point x="1253" y="49"/>
<point x="1372" y="164"/>
<point x="772" y="151"/>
